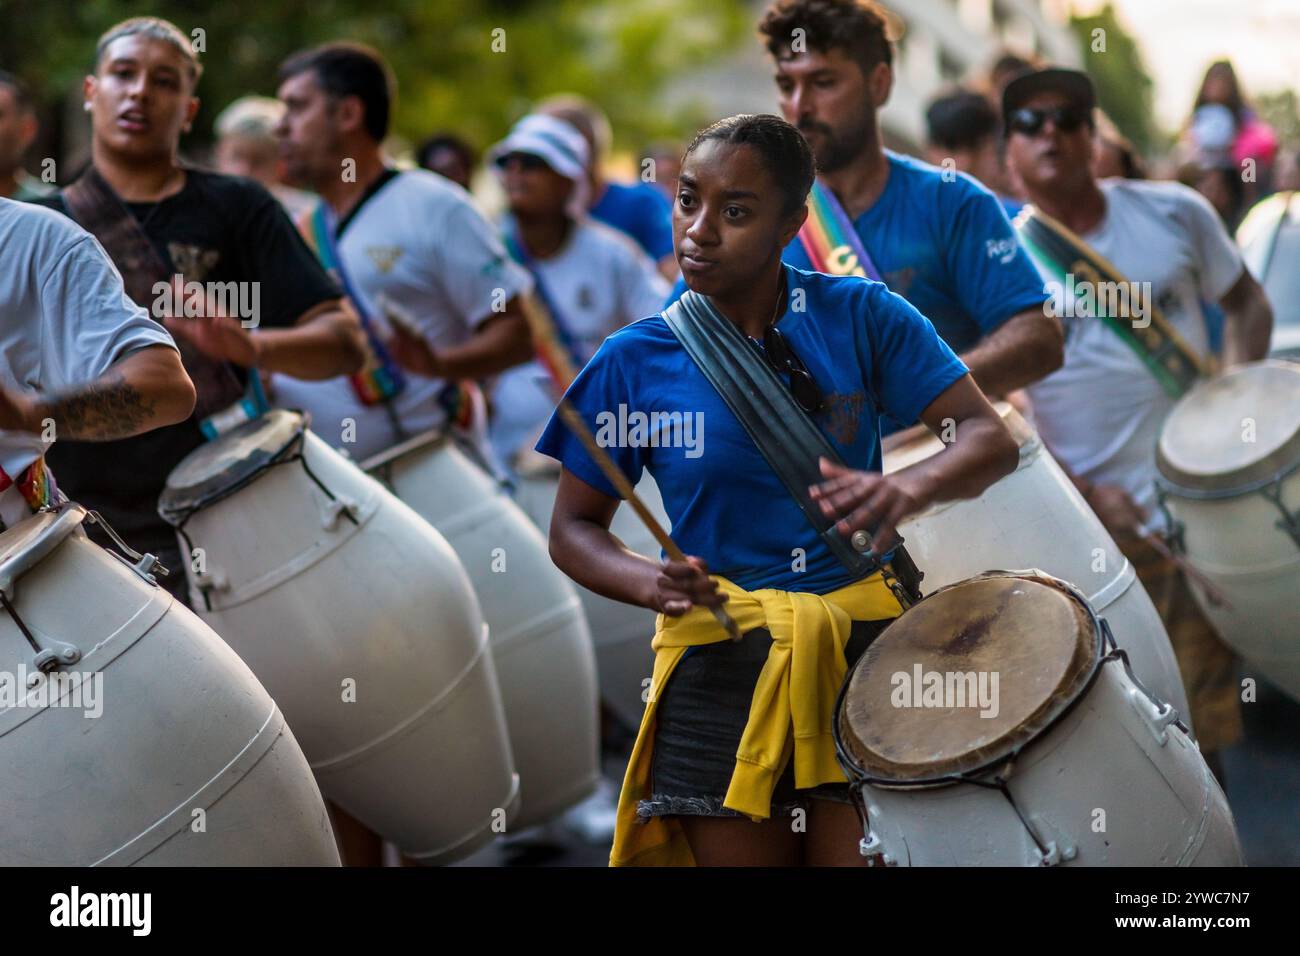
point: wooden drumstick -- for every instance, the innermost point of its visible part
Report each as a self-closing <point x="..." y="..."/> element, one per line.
<point x="562" y="372"/>
<point x="1214" y="595"/>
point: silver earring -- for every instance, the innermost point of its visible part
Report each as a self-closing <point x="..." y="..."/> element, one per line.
<point x="86" y="107"/>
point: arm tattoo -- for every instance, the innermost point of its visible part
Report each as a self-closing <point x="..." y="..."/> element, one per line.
<point x="109" y="409"/>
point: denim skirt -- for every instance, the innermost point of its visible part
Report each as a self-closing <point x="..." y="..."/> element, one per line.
<point x="701" y="717"/>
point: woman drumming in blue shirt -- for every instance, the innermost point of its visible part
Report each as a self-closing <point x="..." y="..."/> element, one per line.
<point x="734" y="764"/>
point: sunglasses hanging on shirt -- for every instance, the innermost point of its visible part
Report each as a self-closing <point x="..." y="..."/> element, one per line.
<point x="783" y="361"/>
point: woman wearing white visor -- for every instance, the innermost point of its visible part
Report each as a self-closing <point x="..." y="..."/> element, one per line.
<point x="590" y="278"/>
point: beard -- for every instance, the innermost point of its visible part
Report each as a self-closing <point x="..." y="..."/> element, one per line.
<point x="837" y="149"/>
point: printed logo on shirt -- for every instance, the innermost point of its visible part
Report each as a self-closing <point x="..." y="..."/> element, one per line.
<point x="623" y="429"/>
<point x="384" y="257"/>
<point x="193" y="262"/>
<point x="1004" y="250"/>
<point x="843" y="414"/>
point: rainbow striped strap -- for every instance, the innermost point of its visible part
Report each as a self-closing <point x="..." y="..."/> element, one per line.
<point x="828" y="237"/>
<point x="35" y="483"/>
<point x="380" y="379"/>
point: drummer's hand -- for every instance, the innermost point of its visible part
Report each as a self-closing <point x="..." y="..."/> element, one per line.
<point x="412" y="352"/>
<point x="17" y="411"/>
<point x="214" y="333"/>
<point x="218" y="336"/>
<point x="1121" y="515"/>
<point x="865" y="501"/>
<point x="683" y="584"/>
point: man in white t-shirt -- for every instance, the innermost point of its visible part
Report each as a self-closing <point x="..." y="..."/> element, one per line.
<point x="589" y="277"/>
<point x="409" y="243"/>
<point x="1101" y="412"/>
<point x="78" y="359"/>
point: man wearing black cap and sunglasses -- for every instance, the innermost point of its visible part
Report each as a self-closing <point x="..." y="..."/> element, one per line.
<point x="1161" y="245"/>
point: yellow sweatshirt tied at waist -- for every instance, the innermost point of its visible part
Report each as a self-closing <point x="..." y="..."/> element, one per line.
<point x="796" y="690"/>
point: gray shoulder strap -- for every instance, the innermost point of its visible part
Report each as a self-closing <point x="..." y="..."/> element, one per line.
<point x="783" y="432"/>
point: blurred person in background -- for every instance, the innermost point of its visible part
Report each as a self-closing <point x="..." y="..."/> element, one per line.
<point x="964" y="127"/>
<point x="1100" y="414"/>
<point x="589" y="278"/>
<point x="667" y="160"/>
<point x="450" y="156"/>
<point x="246" y="146"/>
<point x="638" y="208"/>
<point x="1223" y="126"/>
<point x="17" y="132"/>
<point x="1114" y="154"/>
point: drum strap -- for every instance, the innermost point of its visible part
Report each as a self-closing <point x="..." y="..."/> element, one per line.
<point x="100" y="211"/>
<point x="1065" y="256"/>
<point x="832" y="244"/>
<point x="783" y="432"/>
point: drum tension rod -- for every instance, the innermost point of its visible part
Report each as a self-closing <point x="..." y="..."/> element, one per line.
<point x="1289" y="522"/>
<point x="46" y="659"/>
<point x="345" y="511"/>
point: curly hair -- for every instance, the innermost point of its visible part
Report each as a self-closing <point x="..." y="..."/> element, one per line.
<point x="858" y="27"/>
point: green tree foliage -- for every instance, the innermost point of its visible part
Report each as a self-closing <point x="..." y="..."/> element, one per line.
<point x="617" y="52"/>
<point x="1124" y="87"/>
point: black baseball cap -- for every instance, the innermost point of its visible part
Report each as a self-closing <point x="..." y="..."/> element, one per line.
<point x="1075" y="86"/>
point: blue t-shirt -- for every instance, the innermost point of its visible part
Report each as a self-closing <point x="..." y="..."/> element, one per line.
<point x="642" y="212"/>
<point x="867" y="349"/>
<point x="947" y="247"/>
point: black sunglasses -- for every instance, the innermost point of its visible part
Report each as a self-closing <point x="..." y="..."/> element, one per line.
<point x="783" y="360"/>
<point x="527" y="161"/>
<point x="1029" y="121"/>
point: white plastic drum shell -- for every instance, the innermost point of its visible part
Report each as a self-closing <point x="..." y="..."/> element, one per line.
<point x="1161" y="804"/>
<point x="1035" y="518"/>
<point x="422" y="754"/>
<point x="540" y="640"/>
<point x="185" y="726"/>
<point x="1239" y="534"/>
<point x="1235" y="542"/>
<point x="621" y="632"/>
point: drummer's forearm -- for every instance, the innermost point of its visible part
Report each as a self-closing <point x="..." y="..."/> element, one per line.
<point x="1022" y="350"/>
<point x="500" y="343"/>
<point x="146" y="390"/>
<point x="600" y="562"/>
<point x="325" y="344"/>
<point x="1248" y="322"/>
<point x="982" y="451"/>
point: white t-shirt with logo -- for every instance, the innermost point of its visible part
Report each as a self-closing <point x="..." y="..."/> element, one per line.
<point x="65" y="317"/>
<point x="1101" y="412"/>
<point x="420" y="242"/>
<point x="599" y="281"/>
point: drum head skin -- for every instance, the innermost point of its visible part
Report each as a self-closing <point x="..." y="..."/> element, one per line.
<point x="1234" y="431"/>
<point x="966" y="677"/>
<point x="229" y="462"/>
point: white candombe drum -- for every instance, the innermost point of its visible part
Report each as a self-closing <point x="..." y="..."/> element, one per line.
<point x="541" y="646"/>
<point x="147" y="742"/>
<point x="1229" y="463"/>
<point x="361" y="621"/>
<point x="1035" y="517"/>
<point x="995" y="724"/>
<point x="621" y="632"/>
